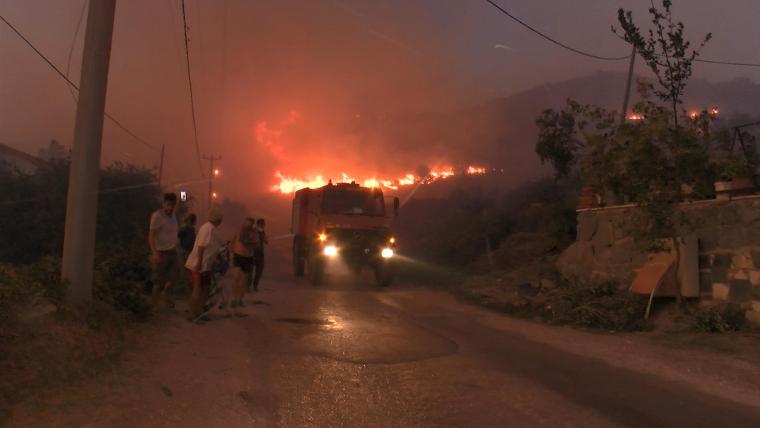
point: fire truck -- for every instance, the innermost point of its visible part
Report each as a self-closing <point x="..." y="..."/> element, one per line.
<point x="343" y="223"/>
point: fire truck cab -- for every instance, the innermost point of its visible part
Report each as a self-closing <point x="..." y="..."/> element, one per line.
<point x="344" y="223"/>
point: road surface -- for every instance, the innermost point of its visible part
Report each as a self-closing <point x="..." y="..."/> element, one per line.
<point x="351" y="355"/>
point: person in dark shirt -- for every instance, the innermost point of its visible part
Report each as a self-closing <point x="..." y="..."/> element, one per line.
<point x="258" y="252"/>
<point x="186" y="235"/>
<point x="243" y="249"/>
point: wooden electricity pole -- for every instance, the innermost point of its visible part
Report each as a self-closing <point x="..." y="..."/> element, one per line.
<point x="82" y="197"/>
<point x="211" y="176"/>
<point x="161" y="166"/>
<point x="627" y="95"/>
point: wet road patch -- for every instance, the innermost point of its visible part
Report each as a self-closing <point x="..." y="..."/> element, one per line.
<point x="305" y="321"/>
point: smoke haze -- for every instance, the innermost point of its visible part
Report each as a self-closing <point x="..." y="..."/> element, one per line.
<point x="323" y="87"/>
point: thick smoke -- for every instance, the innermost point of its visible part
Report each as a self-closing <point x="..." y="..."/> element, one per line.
<point x="312" y="89"/>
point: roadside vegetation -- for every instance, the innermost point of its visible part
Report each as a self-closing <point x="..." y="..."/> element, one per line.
<point x="45" y="342"/>
<point x="504" y="245"/>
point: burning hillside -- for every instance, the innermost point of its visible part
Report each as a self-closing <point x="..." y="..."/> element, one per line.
<point x="287" y="185"/>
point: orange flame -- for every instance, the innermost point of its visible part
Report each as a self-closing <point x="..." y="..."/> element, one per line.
<point x="476" y="170"/>
<point x="289" y="185"/>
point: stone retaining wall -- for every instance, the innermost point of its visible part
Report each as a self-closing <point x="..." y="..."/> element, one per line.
<point x="729" y="247"/>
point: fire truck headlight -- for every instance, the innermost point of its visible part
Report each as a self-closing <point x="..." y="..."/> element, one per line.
<point x="387" y="253"/>
<point x="330" y="251"/>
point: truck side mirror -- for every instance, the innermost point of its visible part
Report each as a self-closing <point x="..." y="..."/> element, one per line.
<point x="396" y="205"/>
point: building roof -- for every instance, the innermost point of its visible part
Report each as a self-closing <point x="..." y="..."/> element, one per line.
<point x="10" y="152"/>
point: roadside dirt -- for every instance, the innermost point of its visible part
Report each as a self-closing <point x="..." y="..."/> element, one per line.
<point x="179" y="374"/>
<point x="231" y="372"/>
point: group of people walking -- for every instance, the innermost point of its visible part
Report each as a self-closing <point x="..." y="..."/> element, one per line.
<point x="170" y="244"/>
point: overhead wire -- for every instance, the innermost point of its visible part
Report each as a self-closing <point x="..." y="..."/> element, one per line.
<point x="738" y="64"/>
<point x="118" y="189"/>
<point x="590" y="55"/>
<point x="74" y="85"/>
<point x="552" y="40"/>
<point x="73" y="44"/>
<point x="190" y="86"/>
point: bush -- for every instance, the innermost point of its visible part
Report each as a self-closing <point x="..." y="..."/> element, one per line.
<point x="21" y="287"/>
<point x="14" y="293"/>
<point x="99" y="316"/>
<point x="120" y="276"/>
<point x="599" y="304"/>
<point x="35" y="204"/>
<point x="719" y="319"/>
<point x="45" y="276"/>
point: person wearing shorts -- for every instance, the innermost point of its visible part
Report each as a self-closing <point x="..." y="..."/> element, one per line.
<point x="162" y="238"/>
<point x="201" y="260"/>
<point x="243" y="247"/>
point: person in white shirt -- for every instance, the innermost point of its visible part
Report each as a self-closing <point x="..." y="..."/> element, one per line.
<point x="162" y="238"/>
<point x="201" y="260"/>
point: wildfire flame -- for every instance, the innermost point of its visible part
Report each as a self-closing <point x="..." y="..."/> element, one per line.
<point x="288" y="185"/>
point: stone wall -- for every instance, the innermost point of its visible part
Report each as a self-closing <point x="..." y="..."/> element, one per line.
<point x="729" y="247"/>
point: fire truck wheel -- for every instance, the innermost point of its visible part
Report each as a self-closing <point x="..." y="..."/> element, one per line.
<point x="383" y="276"/>
<point x="316" y="271"/>
<point x="299" y="262"/>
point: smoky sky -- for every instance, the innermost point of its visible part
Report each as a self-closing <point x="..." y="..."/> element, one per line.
<point x="303" y="86"/>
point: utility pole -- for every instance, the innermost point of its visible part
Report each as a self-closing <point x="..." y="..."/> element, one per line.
<point x="161" y="166"/>
<point x="212" y="174"/>
<point x="628" y="85"/>
<point x="82" y="198"/>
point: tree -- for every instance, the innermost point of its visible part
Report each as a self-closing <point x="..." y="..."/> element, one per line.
<point x="682" y="158"/>
<point x="35" y="204"/>
<point x="649" y="161"/>
<point x="665" y="50"/>
<point x="582" y="136"/>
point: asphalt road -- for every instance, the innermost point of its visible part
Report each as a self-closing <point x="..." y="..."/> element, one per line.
<point x="351" y="355"/>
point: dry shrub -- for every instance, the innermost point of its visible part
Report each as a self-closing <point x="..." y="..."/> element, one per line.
<point x="598" y="304"/>
<point x="720" y="318"/>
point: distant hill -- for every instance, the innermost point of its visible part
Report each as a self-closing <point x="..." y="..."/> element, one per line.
<point x="501" y="132"/>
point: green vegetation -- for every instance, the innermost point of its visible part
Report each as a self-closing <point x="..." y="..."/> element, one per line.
<point x="662" y="158"/>
<point x="718" y="318"/>
<point x="43" y="341"/>
<point x="599" y="304"/>
<point x="603" y="305"/>
<point x="654" y="162"/>
<point x="128" y="197"/>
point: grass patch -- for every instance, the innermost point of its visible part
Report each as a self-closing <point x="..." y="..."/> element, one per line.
<point x="54" y="348"/>
<point x="599" y="305"/>
<point x="742" y="344"/>
<point x="46" y="343"/>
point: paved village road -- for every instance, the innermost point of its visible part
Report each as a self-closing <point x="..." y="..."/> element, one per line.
<point x="351" y="355"/>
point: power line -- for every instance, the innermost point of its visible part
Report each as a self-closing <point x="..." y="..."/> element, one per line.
<point x="556" y="42"/>
<point x="73" y="44"/>
<point x="580" y="52"/>
<point x="738" y="64"/>
<point x="73" y="85"/>
<point x="106" y="191"/>
<point x="190" y="85"/>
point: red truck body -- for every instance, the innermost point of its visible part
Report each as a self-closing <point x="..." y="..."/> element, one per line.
<point x="345" y="222"/>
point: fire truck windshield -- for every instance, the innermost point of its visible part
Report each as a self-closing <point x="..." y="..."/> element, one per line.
<point x="353" y="202"/>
